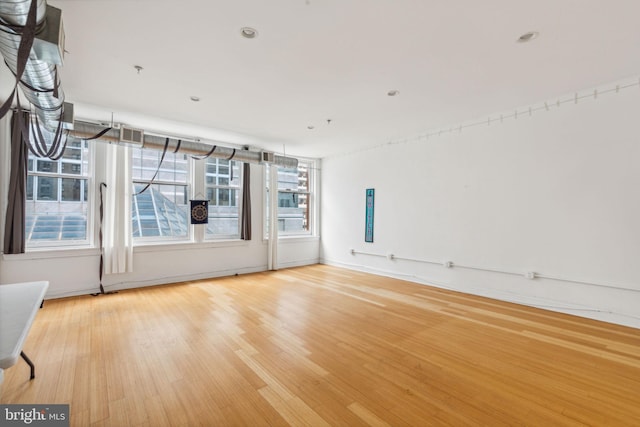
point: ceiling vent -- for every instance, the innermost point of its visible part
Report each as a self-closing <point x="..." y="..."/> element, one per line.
<point x="131" y="136"/>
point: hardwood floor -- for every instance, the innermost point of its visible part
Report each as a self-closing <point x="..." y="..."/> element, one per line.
<point x="322" y="346"/>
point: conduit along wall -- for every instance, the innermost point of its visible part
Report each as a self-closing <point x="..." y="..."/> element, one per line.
<point x="121" y="134"/>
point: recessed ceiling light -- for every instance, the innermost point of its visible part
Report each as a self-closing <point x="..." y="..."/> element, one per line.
<point x="393" y="93"/>
<point x="526" y="37"/>
<point x="195" y="99"/>
<point x="248" y="32"/>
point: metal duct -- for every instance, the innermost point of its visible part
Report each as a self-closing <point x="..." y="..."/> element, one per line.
<point x="156" y="142"/>
<point x="38" y="74"/>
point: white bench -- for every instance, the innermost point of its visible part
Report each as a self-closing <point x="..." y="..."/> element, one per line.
<point x="19" y="304"/>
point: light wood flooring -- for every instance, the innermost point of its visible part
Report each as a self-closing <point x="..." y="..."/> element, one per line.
<point x="324" y="346"/>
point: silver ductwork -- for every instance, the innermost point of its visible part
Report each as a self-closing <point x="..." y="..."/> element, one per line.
<point x="84" y="130"/>
<point x="38" y="74"/>
<point x="40" y="77"/>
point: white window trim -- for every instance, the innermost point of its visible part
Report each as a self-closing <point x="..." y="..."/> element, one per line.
<point x="92" y="197"/>
<point x="156" y="241"/>
<point x="222" y="237"/>
<point x="313" y="198"/>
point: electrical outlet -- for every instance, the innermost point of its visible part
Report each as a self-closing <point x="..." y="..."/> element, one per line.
<point x="447" y="264"/>
<point x="530" y="275"/>
<point x="352" y="251"/>
<point x="391" y="256"/>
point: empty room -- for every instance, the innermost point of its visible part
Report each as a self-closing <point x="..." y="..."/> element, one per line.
<point x="319" y="213"/>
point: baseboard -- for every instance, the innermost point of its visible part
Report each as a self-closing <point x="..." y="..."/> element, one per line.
<point x="299" y="263"/>
<point x="565" y="307"/>
<point x="157" y="281"/>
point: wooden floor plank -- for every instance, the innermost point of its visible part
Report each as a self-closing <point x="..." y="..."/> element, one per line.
<point x="320" y="345"/>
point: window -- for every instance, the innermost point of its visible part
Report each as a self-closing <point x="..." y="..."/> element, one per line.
<point x="294" y="199"/>
<point x="223" y="189"/>
<point x="161" y="211"/>
<point x="57" y="200"/>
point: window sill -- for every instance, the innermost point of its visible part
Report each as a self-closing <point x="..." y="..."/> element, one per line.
<point x="52" y="253"/>
<point x="295" y="238"/>
<point x="187" y="245"/>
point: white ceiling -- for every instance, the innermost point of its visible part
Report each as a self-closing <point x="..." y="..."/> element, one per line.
<point x="314" y="60"/>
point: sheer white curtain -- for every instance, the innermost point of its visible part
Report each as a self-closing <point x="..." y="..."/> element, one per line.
<point x="117" y="237"/>
<point x="272" y="255"/>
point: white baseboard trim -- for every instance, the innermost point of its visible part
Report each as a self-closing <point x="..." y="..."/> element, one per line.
<point x="156" y="282"/>
<point x="565" y="307"/>
<point x="299" y="263"/>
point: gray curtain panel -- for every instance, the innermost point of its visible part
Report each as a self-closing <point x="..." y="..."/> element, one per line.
<point x="245" y="232"/>
<point x="14" y="237"/>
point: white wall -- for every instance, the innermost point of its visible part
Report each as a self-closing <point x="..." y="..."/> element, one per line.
<point x="75" y="272"/>
<point x="556" y="193"/>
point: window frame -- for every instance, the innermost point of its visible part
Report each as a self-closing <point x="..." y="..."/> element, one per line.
<point x="136" y="181"/>
<point x="87" y="195"/>
<point x="209" y="237"/>
<point x="311" y="196"/>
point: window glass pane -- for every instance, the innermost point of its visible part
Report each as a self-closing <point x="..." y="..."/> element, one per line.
<point x="287" y="179"/>
<point x="76" y="144"/>
<point x="293" y="216"/>
<point x="161" y="211"/>
<point x="65" y="221"/>
<point x="55" y="222"/>
<point x="72" y="154"/>
<point x="212" y="195"/>
<point x="294" y="213"/>
<point x="47" y="166"/>
<point x="303" y="177"/>
<point x="224" y="217"/>
<point x="47" y="188"/>
<point x="233" y="197"/>
<point x="175" y="167"/>
<point x="74" y="227"/>
<point x="47" y="227"/>
<point x="71" y="168"/>
<point x="237" y="174"/>
<point x="224" y="198"/>
<point x="71" y="190"/>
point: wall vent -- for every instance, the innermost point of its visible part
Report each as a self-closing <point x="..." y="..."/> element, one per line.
<point x="267" y="157"/>
<point x="131" y="136"/>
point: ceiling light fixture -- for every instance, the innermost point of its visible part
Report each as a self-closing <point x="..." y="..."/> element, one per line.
<point x="248" y="32"/>
<point x="527" y="37"/>
<point x="138" y="68"/>
<point x="195" y="99"/>
<point x="310" y="127"/>
<point x="393" y="93"/>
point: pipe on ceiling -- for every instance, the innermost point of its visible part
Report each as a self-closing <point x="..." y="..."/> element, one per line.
<point x="42" y="75"/>
<point x="85" y="130"/>
<point x="38" y="74"/>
